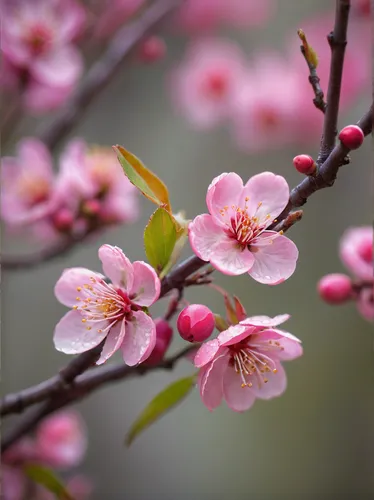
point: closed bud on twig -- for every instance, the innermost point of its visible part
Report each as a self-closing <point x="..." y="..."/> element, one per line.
<point x="153" y="49"/>
<point x="304" y="164"/>
<point x="195" y="323"/>
<point x="351" y="136"/>
<point x="335" y="288"/>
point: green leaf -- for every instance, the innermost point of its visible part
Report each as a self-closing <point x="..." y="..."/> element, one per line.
<point x="163" y="402"/>
<point x="47" y="478"/>
<point x="160" y="236"/>
<point x="144" y="179"/>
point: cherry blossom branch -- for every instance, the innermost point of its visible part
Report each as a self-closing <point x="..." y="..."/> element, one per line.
<point x="101" y="73"/>
<point x="83" y="385"/>
<point x="326" y="175"/>
<point x="338" y="41"/>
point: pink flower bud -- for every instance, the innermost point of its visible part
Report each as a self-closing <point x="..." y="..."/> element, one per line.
<point x="164" y="334"/>
<point x="63" y="220"/>
<point x="91" y="208"/>
<point x="351" y="136"/>
<point x="335" y="288"/>
<point x="304" y="164"/>
<point x="153" y="49"/>
<point x="195" y="323"/>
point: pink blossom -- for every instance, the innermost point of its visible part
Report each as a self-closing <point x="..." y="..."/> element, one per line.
<point x="265" y="111"/>
<point x="113" y="312"/>
<point x="234" y="238"/>
<point x="356" y="251"/>
<point x="37" y="39"/>
<point x="207" y="81"/>
<point x="61" y="440"/>
<point x="202" y="15"/>
<point x="115" y="13"/>
<point x="244" y="363"/>
<point x="39" y="98"/>
<point x="94" y="174"/>
<point x="27" y="184"/>
<point x="365" y="303"/>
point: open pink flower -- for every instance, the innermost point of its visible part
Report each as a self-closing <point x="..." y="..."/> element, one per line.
<point x="244" y="363"/>
<point x="207" y="81"/>
<point x="113" y="312"/>
<point x="234" y="238"/>
<point x="61" y="440"/>
<point x="356" y="251"/>
<point x="26" y="183"/>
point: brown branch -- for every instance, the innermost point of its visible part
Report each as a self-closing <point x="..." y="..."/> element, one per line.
<point x="83" y="385"/>
<point x="326" y="173"/>
<point x="315" y="82"/>
<point x="338" y="41"/>
<point x="101" y="73"/>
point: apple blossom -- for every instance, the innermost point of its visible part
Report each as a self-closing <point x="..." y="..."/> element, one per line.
<point x="111" y="312"/>
<point x="234" y="238"/>
<point x="244" y="363"/>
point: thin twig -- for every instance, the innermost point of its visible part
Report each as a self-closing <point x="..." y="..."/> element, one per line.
<point x="338" y="41"/>
<point x="84" y="384"/>
<point x="101" y="73"/>
<point x="315" y="82"/>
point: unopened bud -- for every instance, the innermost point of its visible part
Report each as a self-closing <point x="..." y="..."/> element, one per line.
<point x="63" y="220"/>
<point x="351" y="136"/>
<point x="304" y="164"/>
<point x="164" y="334"/>
<point x="195" y="323"/>
<point x="335" y="288"/>
<point x="152" y="49"/>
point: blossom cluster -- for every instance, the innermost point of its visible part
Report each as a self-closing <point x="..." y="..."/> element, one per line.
<point x="60" y="442"/>
<point x="88" y="192"/>
<point x="268" y="95"/>
<point x="356" y="253"/>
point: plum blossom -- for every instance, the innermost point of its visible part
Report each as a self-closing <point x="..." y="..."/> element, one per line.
<point x="37" y="40"/>
<point x="112" y="312"/>
<point x="234" y="237"/>
<point x="356" y="253"/>
<point x="202" y="15"/>
<point x="205" y="84"/>
<point x="27" y="184"/>
<point x="244" y="363"/>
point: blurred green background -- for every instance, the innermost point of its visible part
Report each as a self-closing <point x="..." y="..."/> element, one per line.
<point x="317" y="441"/>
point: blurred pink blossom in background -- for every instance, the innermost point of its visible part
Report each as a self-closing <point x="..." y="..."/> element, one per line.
<point x="113" y="14"/>
<point x="37" y="45"/>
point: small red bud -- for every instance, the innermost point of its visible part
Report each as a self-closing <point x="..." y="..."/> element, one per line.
<point x="304" y="164"/>
<point x="335" y="288"/>
<point x="63" y="219"/>
<point x="91" y="208"/>
<point x="164" y="334"/>
<point x="351" y="136"/>
<point x="195" y="323"/>
<point x="153" y="49"/>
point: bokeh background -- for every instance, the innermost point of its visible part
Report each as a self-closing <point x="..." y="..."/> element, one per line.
<point x="316" y="441"/>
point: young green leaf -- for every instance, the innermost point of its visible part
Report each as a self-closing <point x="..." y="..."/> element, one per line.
<point x="144" y="179"/>
<point x="163" y="402"/>
<point x="160" y="236"/>
<point x="47" y="478"/>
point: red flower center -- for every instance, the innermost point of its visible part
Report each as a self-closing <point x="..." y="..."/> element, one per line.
<point x="39" y="38"/>
<point x="216" y="84"/>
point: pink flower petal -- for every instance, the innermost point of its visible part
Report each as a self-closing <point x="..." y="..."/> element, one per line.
<point x="350" y="244"/>
<point x="205" y="235"/>
<point x="140" y="339"/>
<point x="72" y="337"/>
<point x="238" y="398"/>
<point x="58" y="68"/>
<point x="40" y="98"/>
<point x="276" y="385"/>
<point x="229" y="258"/>
<point x="365" y="304"/>
<point x="206" y="353"/>
<point x="227" y="192"/>
<point x="34" y="155"/>
<point x="210" y="382"/>
<point x="66" y="287"/>
<point x="268" y="195"/>
<point x="292" y="348"/>
<point x="265" y="321"/>
<point x="145" y="289"/>
<point x="112" y="342"/>
<point x="233" y="335"/>
<point x="211" y="188"/>
<point x="117" y="267"/>
<point x="274" y="262"/>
